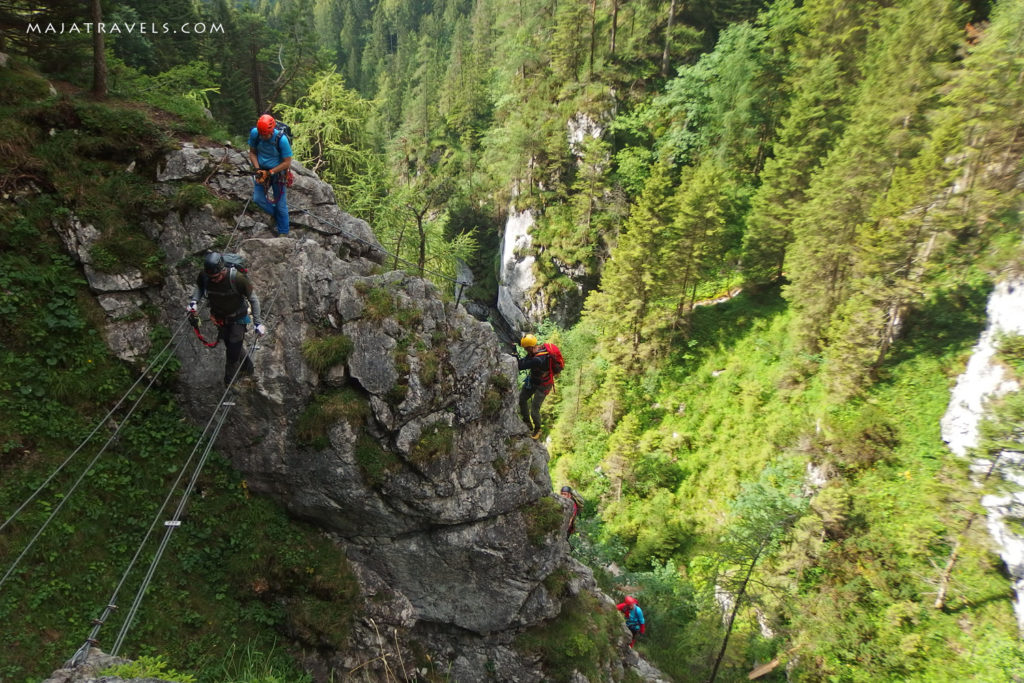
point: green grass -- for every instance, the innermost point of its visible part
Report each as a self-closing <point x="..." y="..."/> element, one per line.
<point x="190" y="196"/>
<point x="238" y="570"/>
<point x="376" y="463"/>
<point x="581" y="639"/>
<point x="325" y="410"/>
<point x="435" y="443"/>
<point x="543" y="518"/>
<point x="325" y="352"/>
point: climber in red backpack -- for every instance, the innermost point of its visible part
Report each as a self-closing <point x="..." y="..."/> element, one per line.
<point x="544" y="361"/>
<point x="634" y="617"/>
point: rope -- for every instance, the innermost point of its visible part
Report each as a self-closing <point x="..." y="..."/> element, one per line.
<point x="92" y="433"/>
<point x="67" y="496"/>
<point x="174" y="522"/>
<point x="220" y="415"/>
<point x="377" y="247"/>
<point x="231" y="237"/>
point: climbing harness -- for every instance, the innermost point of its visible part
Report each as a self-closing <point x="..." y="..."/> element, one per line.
<point x="193" y="320"/>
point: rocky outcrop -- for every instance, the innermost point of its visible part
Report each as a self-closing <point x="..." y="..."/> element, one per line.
<point x="380" y="412"/>
<point x="90" y="671"/>
<point x="984" y="379"/>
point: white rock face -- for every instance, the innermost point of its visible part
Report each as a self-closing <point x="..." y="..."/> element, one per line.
<point x="516" y="275"/>
<point x="983" y="379"/>
<point x="580" y="127"/>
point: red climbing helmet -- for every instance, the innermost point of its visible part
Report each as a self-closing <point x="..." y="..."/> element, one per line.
<point x="630" y="600"/>
<point x="265" y="124"/>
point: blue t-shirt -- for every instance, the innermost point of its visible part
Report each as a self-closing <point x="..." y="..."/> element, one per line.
<point x="270" y="152"/>
<point x="634" y="618"/>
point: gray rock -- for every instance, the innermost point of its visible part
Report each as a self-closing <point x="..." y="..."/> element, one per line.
<point x="88" y="672"/>
<point x="427" y="478"/>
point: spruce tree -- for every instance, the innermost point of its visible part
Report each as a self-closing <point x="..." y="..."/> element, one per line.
<point x="888" y="126"/>
<point x="632" y="277"/>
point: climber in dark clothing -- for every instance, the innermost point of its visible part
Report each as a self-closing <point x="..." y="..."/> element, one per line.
<point x="567" y="492"/>
<point x="537" y="385"/>
<point x="231" y="296"/>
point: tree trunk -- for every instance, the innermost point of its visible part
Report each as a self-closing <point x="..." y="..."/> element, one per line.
<point x="947" y="571"/>
<point x="593" y="35"/>
<point x="99" y="53"/>
<point x="257" y="89"/>
<point x="668" y="37"/>
<point x="732" y="615"/>
<point x="615" y="26"/>
<point x="421" y="263"/>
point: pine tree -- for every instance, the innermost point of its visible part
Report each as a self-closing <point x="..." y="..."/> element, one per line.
<point x="695" y="244"/>
<point x="815" y="116"/>
<point x="888" y="125"/>
<point x="630" y="282"/>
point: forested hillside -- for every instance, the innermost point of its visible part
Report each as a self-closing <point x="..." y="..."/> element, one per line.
<point x="766" y="473"/>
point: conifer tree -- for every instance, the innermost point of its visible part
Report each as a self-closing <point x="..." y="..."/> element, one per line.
<point x="696" y="242"/>
<point x="330" y="134"/>
<point x="815" y="115"/>
<point x="762" y="515"/>
<point x="888" y="125"/>
<point x="631" y="280"/>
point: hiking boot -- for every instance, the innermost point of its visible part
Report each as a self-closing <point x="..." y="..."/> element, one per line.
<point x="536" y="434"/>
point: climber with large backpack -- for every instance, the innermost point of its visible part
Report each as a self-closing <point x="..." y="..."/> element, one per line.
<point x="576" y="502"/>
<point x="544" y="362"/>
<point x="270" y="153"/>
<point x="224" y="282"/>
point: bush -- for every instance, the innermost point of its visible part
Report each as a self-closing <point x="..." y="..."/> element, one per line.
<point x="436" y="441"/>
<point x="581" y="639"/>
<point x="324" y="353"/>
<point x="543" y="518"/>
<point x="374" y="461"/>
<point x="148" y="667"/>
<point x="327" y="409"/>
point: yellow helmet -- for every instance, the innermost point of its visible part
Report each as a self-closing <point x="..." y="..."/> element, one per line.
<point x="528" y="340"/>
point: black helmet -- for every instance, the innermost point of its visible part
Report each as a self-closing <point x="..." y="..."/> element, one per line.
<point x="213" y="263"/>
<point x="566" y="489"/>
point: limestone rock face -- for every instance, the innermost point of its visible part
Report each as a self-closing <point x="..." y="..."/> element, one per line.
<point x="379" y="411"/>
<point x="89" y="671"/>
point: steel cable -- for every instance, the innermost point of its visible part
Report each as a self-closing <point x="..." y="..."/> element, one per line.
<point x="70" y="492"/>
<point x="93" y="432"/>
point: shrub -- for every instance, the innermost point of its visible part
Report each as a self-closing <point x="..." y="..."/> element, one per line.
<point x="194" y="196"/>
<point x="324" y="353"/>
<point x="148" y="667"/>
<point x="374" y="461"/>
<point x="494" y="395"/>
<point x="543" y="518"/>
<point x="430" y="366"/>
<point x="327" y="409"/>
<point x="1011" y="351"/>
<point x="581" y="639"/>
<point x="436" y="440"/>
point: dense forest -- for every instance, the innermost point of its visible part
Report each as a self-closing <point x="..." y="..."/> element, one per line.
<point x="766" y="473"/>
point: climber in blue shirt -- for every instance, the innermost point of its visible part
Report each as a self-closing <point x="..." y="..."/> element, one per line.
<point x="270" y="153"/>
<point x="634" y="617"/>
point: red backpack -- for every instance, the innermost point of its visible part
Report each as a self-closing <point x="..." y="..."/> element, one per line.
<point x="555" y="361"/>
